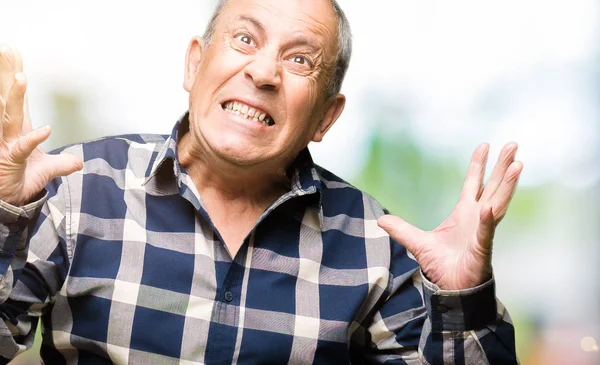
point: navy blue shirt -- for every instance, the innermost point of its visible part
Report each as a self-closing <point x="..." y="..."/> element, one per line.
<point x="122" y="264"/>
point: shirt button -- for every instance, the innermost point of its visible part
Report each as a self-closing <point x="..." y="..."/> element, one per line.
<point x="441" y="308"/>
<point x="228" y="296"/>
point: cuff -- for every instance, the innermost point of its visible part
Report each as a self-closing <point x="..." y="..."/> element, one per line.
<point x="460" y="310"/>
<point x="15" y="220"/>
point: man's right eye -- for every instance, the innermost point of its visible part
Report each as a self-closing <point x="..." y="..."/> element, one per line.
<point x="245" y="39"/>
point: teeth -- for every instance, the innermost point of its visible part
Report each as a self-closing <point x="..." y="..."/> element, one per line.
<point x="248" y="112"/>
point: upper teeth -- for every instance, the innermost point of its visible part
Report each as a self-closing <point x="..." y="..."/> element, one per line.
<point x="248" y="112"/>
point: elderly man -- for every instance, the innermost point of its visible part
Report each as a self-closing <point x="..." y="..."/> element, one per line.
<point x="224" y="243"/>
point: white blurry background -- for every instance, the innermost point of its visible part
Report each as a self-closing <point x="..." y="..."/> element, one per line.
<point x="446" y="75"/>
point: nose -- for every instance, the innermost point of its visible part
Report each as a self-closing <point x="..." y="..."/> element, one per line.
<point x="264" y="71"/>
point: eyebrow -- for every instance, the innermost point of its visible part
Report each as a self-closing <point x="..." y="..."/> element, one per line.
<point x="301" y="40"/>
<point x="254" y="22"/>
<point x="298" y="40"/>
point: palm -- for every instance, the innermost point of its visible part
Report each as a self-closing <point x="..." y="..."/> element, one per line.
<point x="458" y="253"/>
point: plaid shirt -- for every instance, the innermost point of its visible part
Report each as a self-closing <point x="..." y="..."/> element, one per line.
<point x="124" y="266"/>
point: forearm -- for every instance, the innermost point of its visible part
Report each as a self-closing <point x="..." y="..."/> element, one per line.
<point x="420" y="324"/>
<point x="15" y="224"/>
<point x="33" y="266"/>
<point x="466" y="327"/>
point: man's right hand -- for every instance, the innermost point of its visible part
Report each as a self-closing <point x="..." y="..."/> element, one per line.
<point x="24" y="168"/>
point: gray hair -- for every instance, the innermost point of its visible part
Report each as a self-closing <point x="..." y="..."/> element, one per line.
<point x="344" y="44"/>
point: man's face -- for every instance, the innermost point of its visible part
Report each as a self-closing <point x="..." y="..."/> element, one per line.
<point x="257" y="91"/>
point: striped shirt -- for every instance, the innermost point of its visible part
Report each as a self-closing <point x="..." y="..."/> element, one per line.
<point x="121" y="263"/>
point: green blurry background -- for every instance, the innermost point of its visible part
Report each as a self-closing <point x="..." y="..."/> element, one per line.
<point x="429" y="80"/>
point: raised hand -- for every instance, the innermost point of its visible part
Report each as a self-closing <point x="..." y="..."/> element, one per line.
<point x="24" y="168"/>
<point x="458" y="253"/>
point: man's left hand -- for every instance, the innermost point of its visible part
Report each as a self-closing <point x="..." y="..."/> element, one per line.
<point x="458" y="253"/>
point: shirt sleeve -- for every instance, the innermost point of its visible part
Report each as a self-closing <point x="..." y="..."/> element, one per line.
<point x="418" y="323"/>
<point x="34" y="260"/>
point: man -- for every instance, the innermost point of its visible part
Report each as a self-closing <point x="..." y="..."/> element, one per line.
<point x="223" y="243"/>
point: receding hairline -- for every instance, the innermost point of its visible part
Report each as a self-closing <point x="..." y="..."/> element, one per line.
<point x="342" y="41"/>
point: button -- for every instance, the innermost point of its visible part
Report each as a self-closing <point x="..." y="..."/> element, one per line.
<point x="14" y="227"/>
<point x="228" y="296"/>
<point x="441" y="308"/>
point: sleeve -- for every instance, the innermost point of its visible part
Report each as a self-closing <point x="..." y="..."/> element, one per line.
<point x="34" y="260"/>
<point x="418" y="323"/>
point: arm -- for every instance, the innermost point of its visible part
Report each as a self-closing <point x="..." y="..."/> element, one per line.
<point x="418" y="323"/>
<point x="34" y="262"/>
<point x="464" y="324"/>
<point x="31" y="270"/>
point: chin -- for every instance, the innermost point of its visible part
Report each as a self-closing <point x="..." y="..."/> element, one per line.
<point x="240" y="155"/>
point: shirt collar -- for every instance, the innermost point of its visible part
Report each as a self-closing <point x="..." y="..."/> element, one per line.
<point x="168" y="151"/>
<point x="303" y="173"/>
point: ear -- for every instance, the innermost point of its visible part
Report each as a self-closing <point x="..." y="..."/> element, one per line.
<point x="332" y="113"/>
<point x="192" y="62"/>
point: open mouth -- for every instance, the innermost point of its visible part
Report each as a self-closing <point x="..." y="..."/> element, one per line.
<point x="248" y="112"/>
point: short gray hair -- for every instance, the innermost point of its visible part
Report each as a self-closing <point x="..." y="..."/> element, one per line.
<point x="344" y="44"/>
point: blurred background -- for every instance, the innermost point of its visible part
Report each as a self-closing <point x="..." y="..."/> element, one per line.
<point x="429" y="80"/>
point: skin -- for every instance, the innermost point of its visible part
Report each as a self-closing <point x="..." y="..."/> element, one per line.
<point x="274" y="55"/>
<point x="237" y="165"/>
<point x="24" y="168"/>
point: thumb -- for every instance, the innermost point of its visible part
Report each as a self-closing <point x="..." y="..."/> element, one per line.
<point x="52" y="166"/>
<point x="405" y="233"/>
<point x="63" y="164"/>
<point x="486" y="227"/>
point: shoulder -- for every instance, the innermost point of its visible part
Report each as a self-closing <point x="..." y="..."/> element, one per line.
<point x="341" y="197"/>
<point x="118" y="151"/>
<point x="114" y="145"/>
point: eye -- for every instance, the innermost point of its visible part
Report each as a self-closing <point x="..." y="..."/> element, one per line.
<point x="301" y="60"/>
<point x="245" y="39"/>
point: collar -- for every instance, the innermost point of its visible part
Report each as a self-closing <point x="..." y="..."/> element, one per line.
<point x="168" y="152"/>
<point x="304" y="176"/>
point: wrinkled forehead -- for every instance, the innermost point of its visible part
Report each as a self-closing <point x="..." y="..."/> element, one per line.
<point x="314" y="20"/>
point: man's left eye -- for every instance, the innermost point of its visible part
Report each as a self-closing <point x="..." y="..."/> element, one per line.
<point x="301" y="60"/>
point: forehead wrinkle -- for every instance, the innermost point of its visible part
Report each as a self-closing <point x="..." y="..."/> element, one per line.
<point x="250" y="20"/>
<point x="314" y="26"/>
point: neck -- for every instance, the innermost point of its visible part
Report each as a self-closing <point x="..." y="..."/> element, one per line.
<point x="226" y="183"/>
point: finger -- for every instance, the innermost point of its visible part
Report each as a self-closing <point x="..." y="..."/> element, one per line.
<point x="506" y="157"/>
<point x="405" y="233"/>
<point x="26" y="144"/>
<point x="486" y="227"/>
<point x="60" y="165"/>
<point x="26" y="128"/>
<point x="7" y="70"/>
<point x="3" y="114"/>
<point x="11" y="126"/>
<point x="506" y="190"/>
<point x="26" y="124"/>
<point x="474" y="180"/>
<point x="18" y="60"/>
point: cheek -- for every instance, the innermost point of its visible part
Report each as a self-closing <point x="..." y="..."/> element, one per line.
<point x="302" y="95"/>
<point x="303" y="115"/>
<point x="217" y="67"/>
